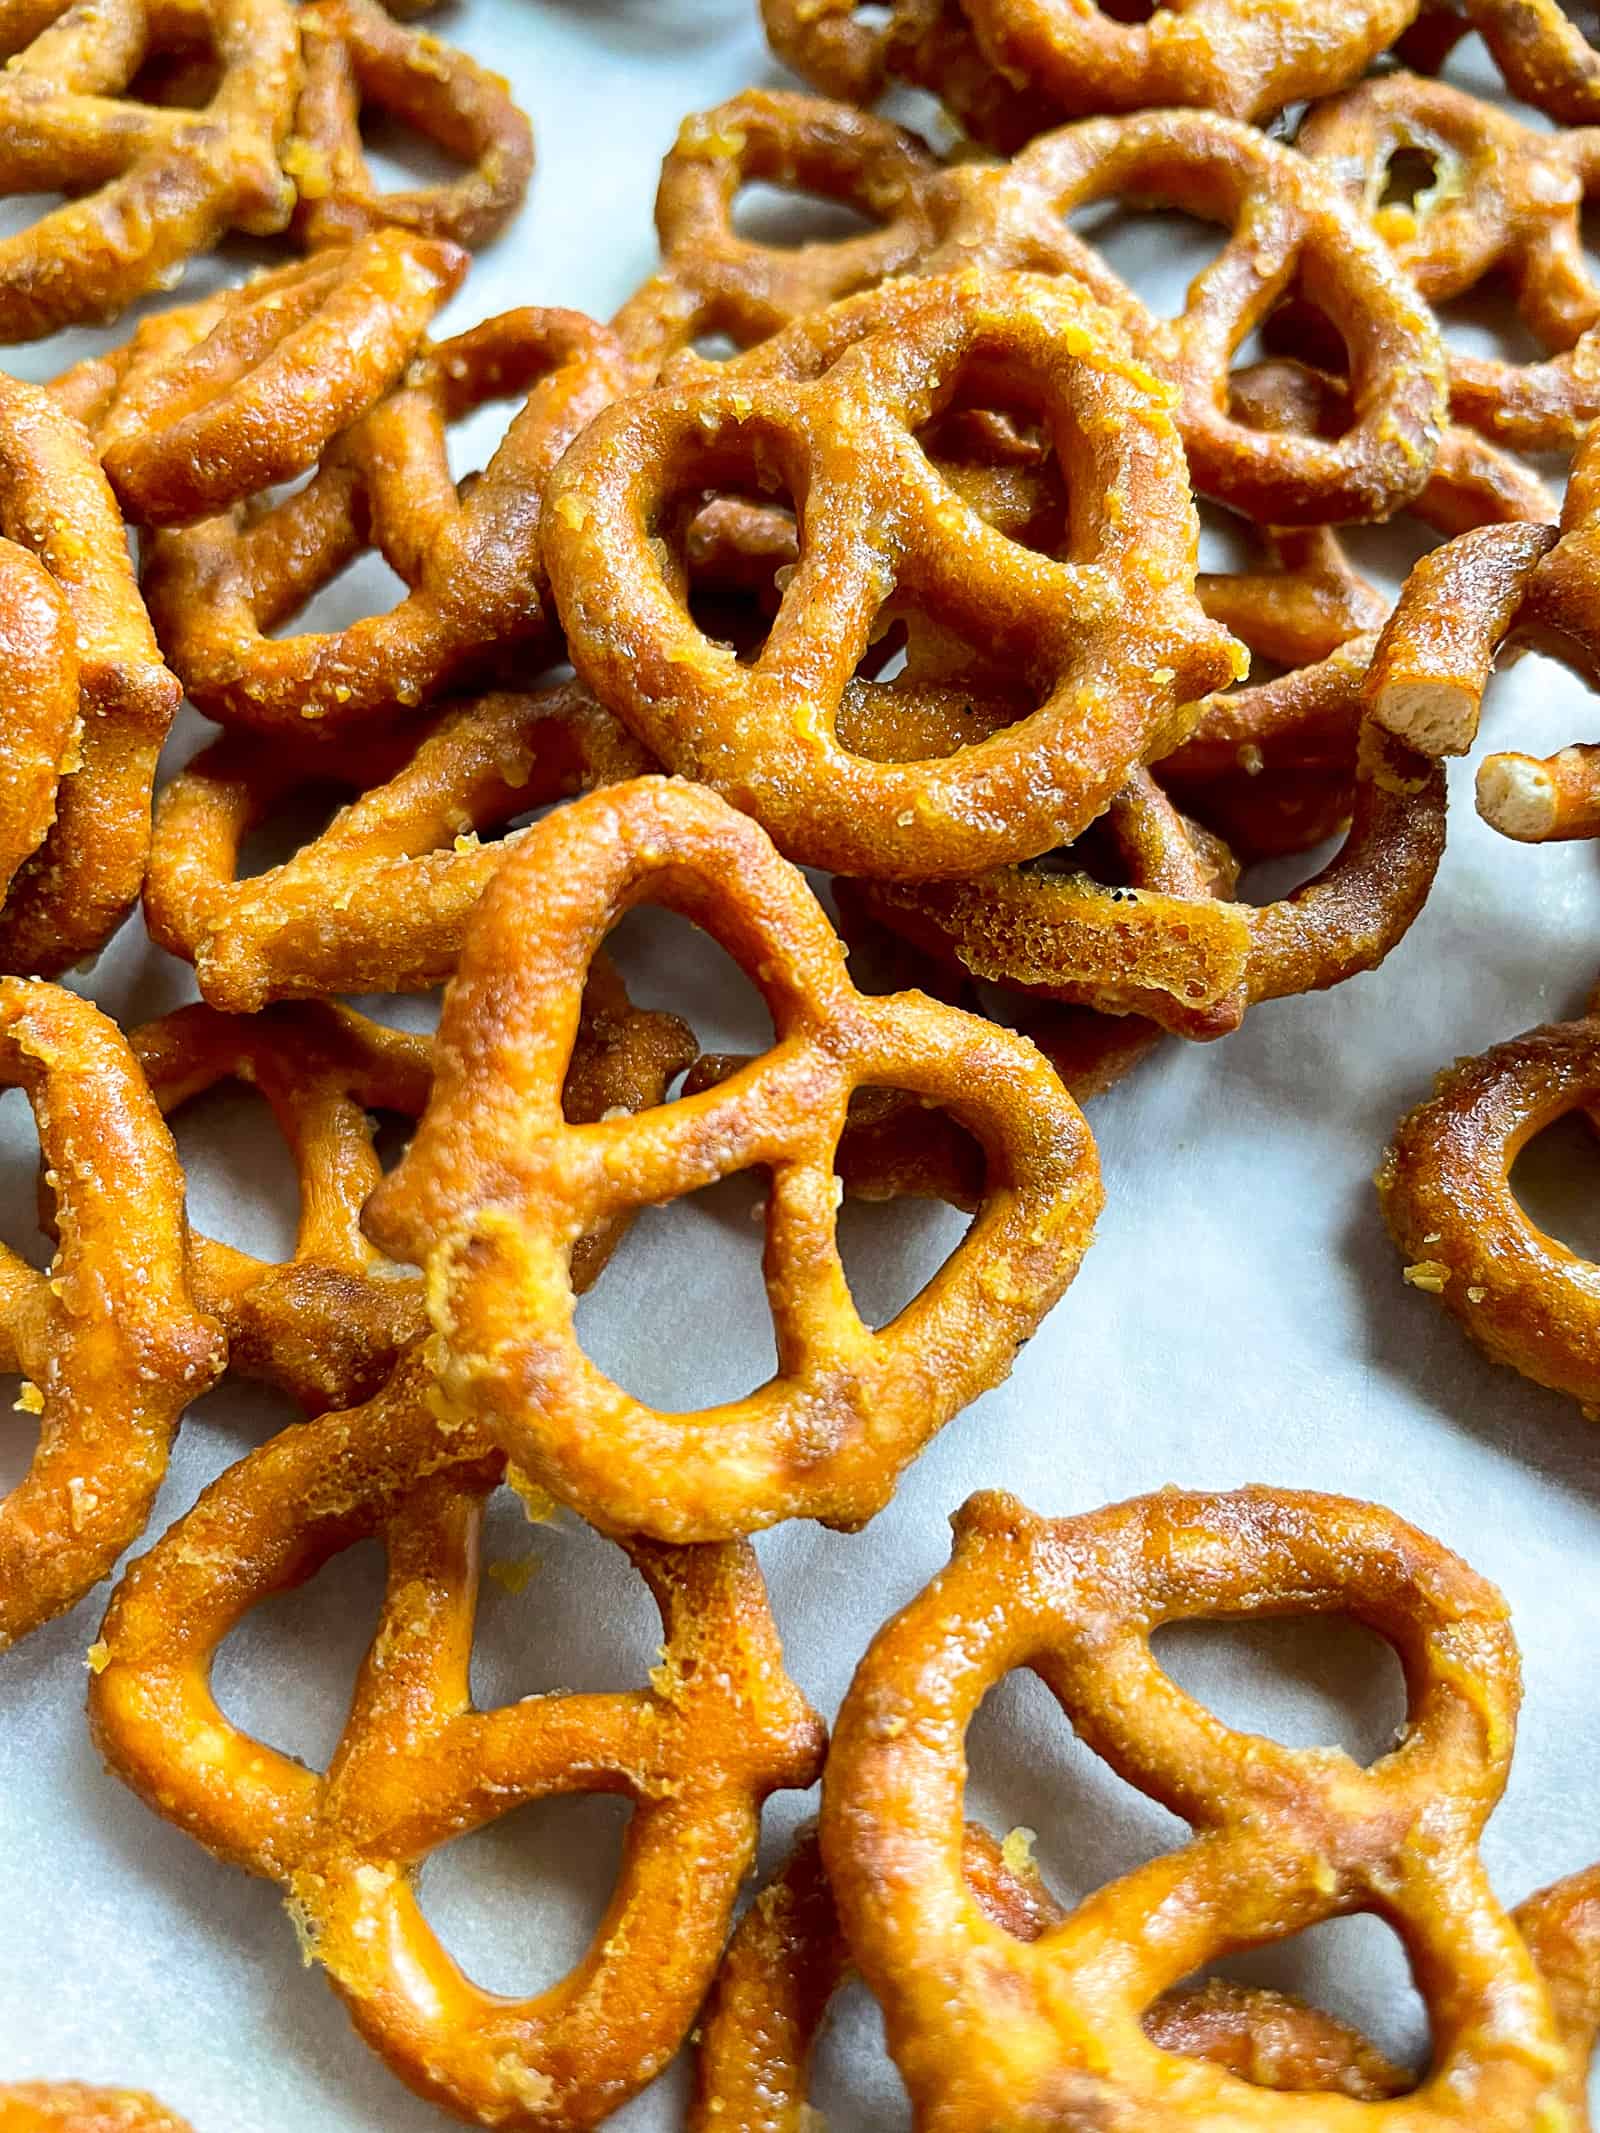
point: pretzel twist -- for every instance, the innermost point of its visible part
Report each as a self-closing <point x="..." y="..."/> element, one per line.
<point x="1505" y="198"/>
<point x="471" y="562"/>
<point x="110" y="1343"/>
<point x="147" y="187"/>
<point x="379" y="902"/>
<point x="1284" y="1838"/>
<point x="496" y="1187"/>
<point x="1111" y="642"/>
<point x="74" y="884"/>
<point x="210" y="404"/>
<point x="720" y="1728"/>
<point x="356" y="55"/>
<point x="715" y="280"/>
<point x="74" y="2107"/>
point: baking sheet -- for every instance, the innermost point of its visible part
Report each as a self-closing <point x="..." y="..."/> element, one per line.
<point x="1240" y="1318"/>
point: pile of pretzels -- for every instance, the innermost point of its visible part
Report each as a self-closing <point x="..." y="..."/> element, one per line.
<point x="876" y="556"/>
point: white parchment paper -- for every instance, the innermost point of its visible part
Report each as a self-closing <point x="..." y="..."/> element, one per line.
<point x="1241" y="1317"/>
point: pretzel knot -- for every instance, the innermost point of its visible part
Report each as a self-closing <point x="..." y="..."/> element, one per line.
<point x="209" y="404"/>
<point x="713" y="279"/>
<point x="109" y="1343"/>
<point x="720" y="1727"/>
<point x="147" y="187"/>
<point x="74" y="2107"/>
<point x="496" y="1186"/>
<point x="1111" y="640"/>
<point x="80" y="753"/>
<point x="987" y="2030"/>
<point x="1445" y="1188"/>
<point x="469" y="556"/>
<point x="1290" y="227"/>
<point x="1503" y="197"/>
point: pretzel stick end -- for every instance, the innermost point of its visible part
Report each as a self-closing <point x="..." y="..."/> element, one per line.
<point x="1517" y="796"/>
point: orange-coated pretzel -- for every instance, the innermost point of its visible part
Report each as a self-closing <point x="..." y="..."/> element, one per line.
<point x="926" y="43"/>
<point x="39" y="657"/>
<point x="715" y="280"/>
<point x="1445" y="1188"/>
<point x="74" y="2107"/>
<point x="719" y="1728"/>
<point x="1232" y="56"/>
<point x="68" y="895"/>
<point x="1504" y="198"/>
<point x="109" y="1343"/>
<point x="210" y="404"/>
<point x="218" y="590"/>
<point x="1111" y="643"/>
<point x="329" y="1324"/>
<point x="1290" y="225"/>
<point x="1459" y="607"/>
<point x="379" y="902"/>
<point x="788" y="1959"/>
<point x="147" y="187"/>
<point x="987" y="2030"/>
<point x="356" y="55"/>
<point x="1543" y="48"/>
<point x="495" y="1186"/>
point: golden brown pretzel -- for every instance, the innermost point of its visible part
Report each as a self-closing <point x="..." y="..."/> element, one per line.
<point x="1109" y="644"/>
<point x="1290" y="225"/>
<point x="74" y="2107"/>
<point x="39" y="733"/>
<point x="1445" y="1188"/>
<point x="356" y="55"/>
<point x="110" y="1343"/>
<point x="379" y="901"/>
<point x="719" y="1728"/>
<point x="495" y="1186"/>
<point x="1505" y="198"/>
<point x="989" y="2031"/>
<point x="72" y="891"/>
<point x="218" y="590"/>
<point x="210" y="404"/>
<point x="715" y="280"/>
<point x="1545" y="49"/>
<point x="1232" y="56"/>
<point x="147" y="187"/>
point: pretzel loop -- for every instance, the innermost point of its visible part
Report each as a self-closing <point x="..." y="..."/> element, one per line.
<point x="110" y="1343"/>
<point x="1284" y="1838"/>
<point x="720" y="1728"/>
<point x="496" y="1186"/>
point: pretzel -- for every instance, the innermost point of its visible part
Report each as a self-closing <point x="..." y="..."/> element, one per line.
<point x="1445" y="1189"/>
<point x="147" y="188"/>
<point x="494" y="1187"/>
<point x="1289" y="224"/>
<point x="926" y="43"/>
<point x="356" y="55"/>
<point x="1545" y="51"/>
<point x="1505" y="197"/>
<point x="109" y="1343"/>
<point x="71" y="890"/>
<point x="210" y="404"/>
<point x="713" y="280"/>
<point x="38" y="647"/>
<point x="379" y="902"/>
<point x="1231" y="56"/>
<point x="1284" y="1838"/>
<point x="719" y="1728"/>
<point x="1464" y="604"/>
<point x="218" y="590"/>
<point x="74" y="2107"/>
<point x="788" y="1960"/>
<point x="1110" y="644"/>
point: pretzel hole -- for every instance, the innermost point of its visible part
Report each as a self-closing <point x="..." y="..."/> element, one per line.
<point x="1157" y="250"/>
<point x="1354" y="1969"/>
<point x="284" y="1673"/>
<point x="853" y="2080"/>
<point x="399" y="157"/>
<point x="367" y="587"/>
<point x="1315" y="1681"/>
<point x="242" y="1184"/>
<point x="1484" y="321"/>
<point x="19" y="1434"/>
<point x="785" y="218"/>
<point x="1553" y="1181"/>
<point x="179" y="78"/>
<point x="517" y="1902"/>
<point x="1406" y="177"/>
<point x="895" y="1228"/>
<point x="24" y="1198"/>
<point x="298" y="820"/>
<point x="560" y="1610"/>
<point x="681" y="1320"/>
<point x="671" y="964"/>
